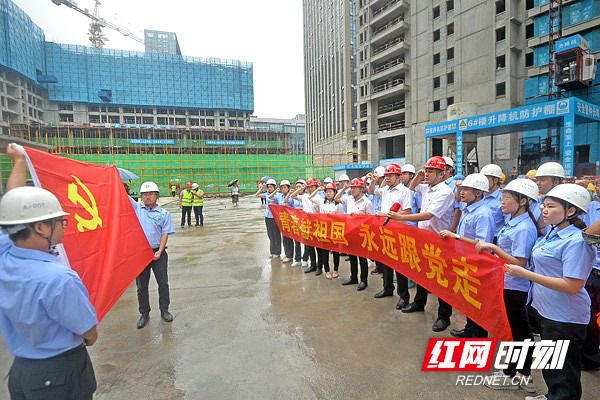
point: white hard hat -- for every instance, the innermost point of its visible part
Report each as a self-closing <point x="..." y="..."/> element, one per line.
<point x="285" y="182"/>
<point x="149" y="187"/>
<point x="195" y="186"/>
<point x="409" y="168"/>
<point x="328" y="180"/>
<point x="526" y="187"/>
<point x="449" y="161"/>
<point x="302" y="181"/>
<point x="550" y="169"/>
<point x="379" y="170"/>
<point x="26" y="204"/>
<point x="477" y="182"/>
<point x="272" y="182"/>
<point x="573" y="194"/>
<point x="492" y="170"/>
<point x="344" y="177"/>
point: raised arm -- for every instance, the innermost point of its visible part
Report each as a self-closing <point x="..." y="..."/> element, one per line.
<point x="18" y="175"/>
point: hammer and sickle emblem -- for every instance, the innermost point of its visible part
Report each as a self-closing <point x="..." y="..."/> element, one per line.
<point x="75" y="197"/>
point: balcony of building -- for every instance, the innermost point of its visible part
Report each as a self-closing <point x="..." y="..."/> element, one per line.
<point x="385" y="11"/>
<point x="394" y="47"/>
<point x="387" y="89"/>
<point x="388" y="68"/>
<point x="390" y="125"/>
<point x="391" y="109"/>
<point x="383" y="33"/>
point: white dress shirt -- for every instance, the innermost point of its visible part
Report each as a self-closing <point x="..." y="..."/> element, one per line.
<point x="398" y="194"/>
<point x="362" y="206"/>
<point x="439" y="201"/>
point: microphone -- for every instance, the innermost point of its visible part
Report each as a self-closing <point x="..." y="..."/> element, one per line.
<point x="395" y="207"/>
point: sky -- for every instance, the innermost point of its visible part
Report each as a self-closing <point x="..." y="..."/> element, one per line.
<point x="267" y="33"/>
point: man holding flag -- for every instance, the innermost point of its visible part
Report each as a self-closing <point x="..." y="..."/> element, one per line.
<point x="157" y="225"/>
<point x="46" y="316"/>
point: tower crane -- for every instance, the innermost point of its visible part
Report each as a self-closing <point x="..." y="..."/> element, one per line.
<point x="95" y="34"/>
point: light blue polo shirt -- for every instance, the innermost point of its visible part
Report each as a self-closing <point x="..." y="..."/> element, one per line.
<point x="494" y="203"/>
<point x="451" y="183"/>
<point x="155" y="222"/>
<point x="44" y="307"/>
<point x="517" y="238"/>
<point x="563" y="254"/>
<point x="592" y="216"/>
<point x="477" y="222"/>
<point x="535" y="207"/>
<point x="275" y="201"/>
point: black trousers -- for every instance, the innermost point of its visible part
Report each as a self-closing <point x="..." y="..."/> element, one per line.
<point x="324" y="259"/>
<point x="69" y="375"/>
<point x="288" y="246"/>
<point x="186" y="210"/>
<point x="274" y="236"/>
<point x="198" y="214"/>
<point x="388" y="280"/>
<point x="475" y="331"/>
<point x="589" y="352"/>
<point x="444" y="309"/>
<point x="159" y="267"/>
<point x="309" y="252"/>
<point x="297" y="251"/>
<point x="516" y="311"/>
<point x="364" y="268"/>
<point x="564" y="383"/>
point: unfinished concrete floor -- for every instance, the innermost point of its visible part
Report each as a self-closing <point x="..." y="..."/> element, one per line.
<point x="247" y="327"/>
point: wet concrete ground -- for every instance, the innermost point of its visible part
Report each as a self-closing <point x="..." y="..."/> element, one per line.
<point x="247" y="327"/>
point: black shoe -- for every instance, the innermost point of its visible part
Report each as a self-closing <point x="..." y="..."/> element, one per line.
<point x="375" y="271"/>
<point x="401" y="304"/>
<point x="459" y="333"/>
<point x="197" y="225"/>
<point x="311" y="269"/>
<point x="319" y="271"/>
<point x="384" y="293"/>
<point x="362" y="286"/>
<point x="183" y="226"/>
<point x="201" y="225"/>
<point x="143" y="321"/>
<point x="440" y="325"/>
<point x="167" y="316"/>
<point x="350" y="282"/>
<point x="412" y="307"/>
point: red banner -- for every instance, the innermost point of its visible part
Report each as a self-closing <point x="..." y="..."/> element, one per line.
<point x="104" y="241"/>
<point x="452" y="270"/>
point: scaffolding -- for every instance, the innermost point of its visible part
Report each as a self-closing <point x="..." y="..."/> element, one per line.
<point x="210" y="157"/>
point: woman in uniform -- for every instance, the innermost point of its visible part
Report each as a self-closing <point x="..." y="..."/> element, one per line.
<point x="272" y="229"/>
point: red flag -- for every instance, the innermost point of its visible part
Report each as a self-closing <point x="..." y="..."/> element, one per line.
<point x="471" y="282"/>
<point x="104" y="241"/>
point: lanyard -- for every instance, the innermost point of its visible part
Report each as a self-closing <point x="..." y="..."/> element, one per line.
<point x="543" y="242"/>
<point x="149" y="214"/>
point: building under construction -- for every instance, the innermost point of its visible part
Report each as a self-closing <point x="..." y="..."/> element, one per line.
<point x="166" y="117"/>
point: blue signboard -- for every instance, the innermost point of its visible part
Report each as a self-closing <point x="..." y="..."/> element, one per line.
<point x="128" y="126"/>
<point x="117" y="125"/>
<point x="586" y="109"/>
<point x="572" y="42"/>
<point x="353" y="166"/>
<point x="158" y="126"/>
<point x="167" y="126"/>
<point x="151" y="141"/>
<point x="444" y="127"/>
<point x="138" y="126"/>
<point x="107" y="125"/>
<point x="225" y="142"/>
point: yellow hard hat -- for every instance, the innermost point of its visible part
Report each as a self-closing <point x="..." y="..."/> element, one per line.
<point x="531" y="173"/>
<point x="503" y="178"/>
<point x="591" y="187"/>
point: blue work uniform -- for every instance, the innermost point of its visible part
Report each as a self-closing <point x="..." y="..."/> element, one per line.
<point x="517" y="238"/>
<point x="272" y="229"/>
<point x="592" y="216"/>
<point x="477" y="222"/>
<point x="275" y="201"/>
<point x="44" y="307"/>
<point x="416" y="207"/>
<point x="155" y="222"/>
<point x="563" y="254"/>
<point x="494" y="203"/>
<point x="535" y="207"/>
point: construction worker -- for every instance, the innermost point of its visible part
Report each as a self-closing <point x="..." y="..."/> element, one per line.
<point x="392" y="192"/>
<point x="358" y="204"/>
<point x="288" y="201"/>
<point x="476" y="224"/>
<point x="493" y="196"/>
<point x="46" y="317"/>
<point x="435" y="215"/>
<point x="279" y="196"/>
<point x="562" y="263"/>
<point x="186" y="199"/>
<point x="302" y="194"/>
<point x="272" y="229"/>
<point x="548" y="176"/>
<point x="157" y="225"/>
<point x="173" y="190"/>
<point x="198" y="204"/>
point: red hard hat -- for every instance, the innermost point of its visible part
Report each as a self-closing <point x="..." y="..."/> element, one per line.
<point x="312" y="182"/>
<point x="188" y="184"/>
<point x="436" y="162"/>
<point x="331" y="186"/>
<point x="357" y="182"/>
<point x="393" y="169"/>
